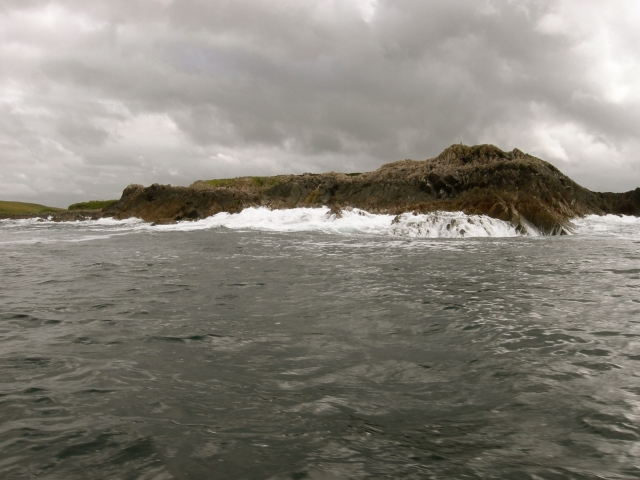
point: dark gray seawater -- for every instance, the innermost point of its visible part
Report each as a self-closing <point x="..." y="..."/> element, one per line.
<point x="239" y="354"/>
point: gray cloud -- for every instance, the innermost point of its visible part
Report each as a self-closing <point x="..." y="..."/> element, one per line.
<point x="95" y="95"/>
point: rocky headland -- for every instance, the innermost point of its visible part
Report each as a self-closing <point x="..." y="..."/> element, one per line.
<point x="511" y="186"/>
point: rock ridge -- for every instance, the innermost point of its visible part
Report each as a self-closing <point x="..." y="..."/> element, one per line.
<point x="481" y="179"/>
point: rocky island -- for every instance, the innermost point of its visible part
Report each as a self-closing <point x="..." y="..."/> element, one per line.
<point x="484" y="180"/>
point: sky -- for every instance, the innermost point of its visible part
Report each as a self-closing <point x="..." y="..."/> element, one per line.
<point x="95" y="95"/>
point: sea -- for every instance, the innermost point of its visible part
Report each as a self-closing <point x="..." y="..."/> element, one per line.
<point x="294" y="344"/>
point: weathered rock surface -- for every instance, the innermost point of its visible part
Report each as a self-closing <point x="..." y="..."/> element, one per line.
<point x="511" y="186"/>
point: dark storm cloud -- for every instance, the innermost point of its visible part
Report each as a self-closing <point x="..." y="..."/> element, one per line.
<point x="95" y="95"/>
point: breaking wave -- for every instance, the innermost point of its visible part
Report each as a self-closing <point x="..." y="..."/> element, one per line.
<point x="349" y="222"/>
<point x="354" y="221"/>
<point x="625" y="226"/>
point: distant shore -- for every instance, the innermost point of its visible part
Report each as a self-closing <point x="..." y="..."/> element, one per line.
<point x="78" y="211"/>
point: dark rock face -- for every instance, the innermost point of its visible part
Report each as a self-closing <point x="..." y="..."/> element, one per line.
<point x="511" y="186"/>
<point x="165" y="204"/>
<point x="627" y="203"/>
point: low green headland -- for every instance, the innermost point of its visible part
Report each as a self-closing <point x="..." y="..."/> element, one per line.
<point x="21" y="208"/>
<point x="92" y="205"/>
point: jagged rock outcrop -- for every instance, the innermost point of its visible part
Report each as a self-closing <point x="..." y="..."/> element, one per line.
<point x="482" y="179"/>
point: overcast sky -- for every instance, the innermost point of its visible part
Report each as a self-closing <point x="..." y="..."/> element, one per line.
<point x="98" y="94"/>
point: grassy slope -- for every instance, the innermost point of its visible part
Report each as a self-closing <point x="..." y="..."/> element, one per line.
<point x="19" y="208"/>
<point x="245" y="182"/>
<point x="92" y="205"/>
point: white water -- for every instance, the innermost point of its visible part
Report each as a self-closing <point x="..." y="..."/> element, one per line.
<point x="623" y="226"/>
<point x="435" y="225"/>
<point x="352" y="222"/>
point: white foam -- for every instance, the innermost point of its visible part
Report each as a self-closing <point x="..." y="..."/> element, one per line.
<point x="354" y="221"/>
<point x="107" y="221"/>
<point x="35" y="230"/>
<point x="624" y="226"/>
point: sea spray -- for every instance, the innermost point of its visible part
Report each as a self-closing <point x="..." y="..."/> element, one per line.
<point x="349" y="222"/>
<point x="623" y="226"/>
<point x="355" y="221"/>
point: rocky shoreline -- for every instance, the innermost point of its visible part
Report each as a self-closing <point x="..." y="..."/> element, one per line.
<point x="482" y="180"/>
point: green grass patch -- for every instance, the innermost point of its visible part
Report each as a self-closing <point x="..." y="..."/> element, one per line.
<point x="223" y="182"/>
<point x="92" y="205"/>
<point x="21" y="208"/>
<point x="265" y="181"/>
<point x="258" y="182"/>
